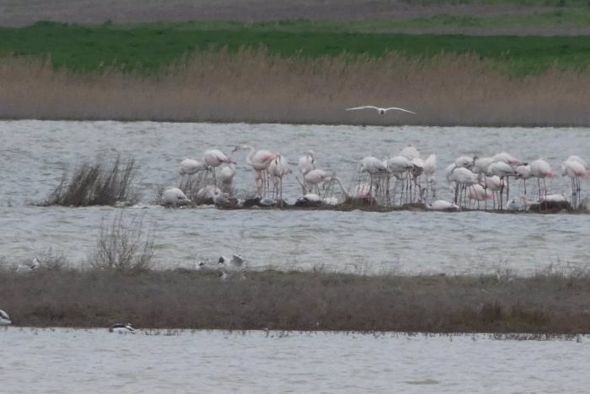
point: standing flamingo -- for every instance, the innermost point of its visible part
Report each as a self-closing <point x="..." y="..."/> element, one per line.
<point x="315" y="178"/>
<point x="429" y="171"/>
<point x="481" y="164"/>
<point x="277" y="169"/>
<point x="495" y="185"/>
<point x="190" y="167"/>
<point x="503" y="170"/>
<point x="575" y="168"/>
<point x="540" y="169"/>
<point x="306" y="162"/>
<point x="226" y="176"/>
<point x="506" y="158"/>
<point x="410" y="152"/>
<point x="259" y="160"/>
<point x="376" y="169"/>
<point x="523" y="172"/>
<point x="477" y="192"/>
<point x="400" y="167"/>
<point x="463" y="178"/>
<point x="213" y="158"/>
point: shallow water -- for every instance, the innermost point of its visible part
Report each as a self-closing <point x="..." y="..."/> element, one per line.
<point x="68" y="361"/>
<point x="34" y="155"/>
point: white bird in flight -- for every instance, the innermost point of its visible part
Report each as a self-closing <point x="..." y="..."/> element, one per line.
<point x="381" y="110"/>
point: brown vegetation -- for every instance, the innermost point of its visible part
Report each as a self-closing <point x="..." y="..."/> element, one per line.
<point x="123" y="246"/>
<point x="546" y="303"/>
<point x="99" y="183"/>
<point x="252" y="86"/>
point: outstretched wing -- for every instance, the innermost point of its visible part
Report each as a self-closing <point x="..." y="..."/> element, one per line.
<point x="398" y="109"/>
<point x="363" y="107"/>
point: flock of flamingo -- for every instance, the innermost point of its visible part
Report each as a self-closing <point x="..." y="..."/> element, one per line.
<point x="404" y="180"/>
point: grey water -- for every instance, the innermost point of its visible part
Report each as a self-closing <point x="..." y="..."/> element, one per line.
<point x="35" y="154"/>
<point x="93" y="361"/>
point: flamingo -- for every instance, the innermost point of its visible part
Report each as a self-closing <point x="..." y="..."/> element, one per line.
<point x="259" y="160"/>
<point x="375" y="168"/>
<point x="214" y="158"/>
<point x="477" y="192"/>
<point x="503" y="170"/>
<point x="464" y="161"/>
<point x="316" y="177"/>
<point x="307" y="162"/>
<point x="495" y="185"/>
<point x="575" y="168"/>
<point x="410" y="152"/>
<point x="226" y="176"/>
<point x="540" y="169"/>
<point x="506" y="158"/>
<point x="400" y="167"/>
<point x="442" y="205"/>
<point x="174" y="197"/>
<point x="481" y="164"/>
<point x="463" y="178"/>
<point x="4" y="318"/>
<point x="278" y="168"/>
<point x="523" y="172"/>
<point x="190" y="167"/>
<point x="429" y="169"/>
<point x="554" y="198"/>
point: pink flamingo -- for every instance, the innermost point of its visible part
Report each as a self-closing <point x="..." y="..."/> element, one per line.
<point x="540" y="169"/>
<point x="575" y="168"/>
<point x="259" y="160"/>
<point x="315" y="178"/>
<point x="278" y="168"/>
<point x="213" y="158"/>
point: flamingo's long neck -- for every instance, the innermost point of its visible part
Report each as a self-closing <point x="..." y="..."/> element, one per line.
<point x="337" y="180"/>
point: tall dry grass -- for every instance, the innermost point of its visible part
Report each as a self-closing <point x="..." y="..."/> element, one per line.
<point x="253" y="86"/>
<point x="546" y="303"/>
<point x="98" y="183"/>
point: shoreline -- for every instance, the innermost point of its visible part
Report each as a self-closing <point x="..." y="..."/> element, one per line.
<point x="334" y="125"/>
<point x="545" y="303"/>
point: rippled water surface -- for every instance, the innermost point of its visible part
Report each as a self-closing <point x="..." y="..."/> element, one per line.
<point x="74" y="361"/>
<point x="34" y="154"/>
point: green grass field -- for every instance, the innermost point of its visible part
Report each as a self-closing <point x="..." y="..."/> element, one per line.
<point x="148" y="47"/>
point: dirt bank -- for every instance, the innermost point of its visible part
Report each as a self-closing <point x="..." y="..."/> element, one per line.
<point x="546" y="303"/>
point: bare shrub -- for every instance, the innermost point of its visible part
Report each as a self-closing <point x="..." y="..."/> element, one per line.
<point x="51" y="260"/>
<point x="124" y="245"/>
<point x="99" y="183"/>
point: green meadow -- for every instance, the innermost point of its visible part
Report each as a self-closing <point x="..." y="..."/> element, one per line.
<point x="147" y="48"/>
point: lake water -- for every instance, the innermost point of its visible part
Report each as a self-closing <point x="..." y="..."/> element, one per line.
<point x="34" y="155"/>
<point x="94" y="361"/>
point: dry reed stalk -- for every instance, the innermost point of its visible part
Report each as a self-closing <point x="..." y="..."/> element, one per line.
<point x="99" y="183"/>
<point x="253" y="86"/>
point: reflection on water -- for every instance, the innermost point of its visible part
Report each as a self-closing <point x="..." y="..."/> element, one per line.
<point x="73" y="361"/>
<point x="34" y="154"/>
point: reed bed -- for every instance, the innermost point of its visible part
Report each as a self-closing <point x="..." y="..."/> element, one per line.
<point x="545" y="303"/>
<point x="98" y="183"/>
<point x="254" y="86"/>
